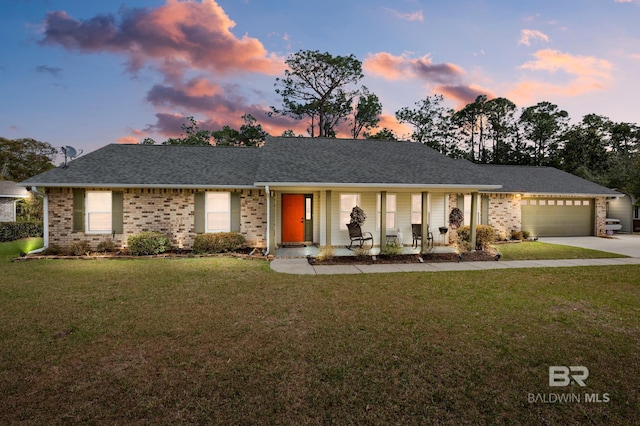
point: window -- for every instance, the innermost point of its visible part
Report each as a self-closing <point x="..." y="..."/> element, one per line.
<point x="98" y="212"/>
<point x="218" y="208"/>
<point x="416" y="208"/>
<point x="552" y="202"/>
<point x="585" y="202"/>
<point x="543" y="202"/>
<point x="390" y="209"/>
<point x="347" y="202"/>
<point x="636" y="213"/>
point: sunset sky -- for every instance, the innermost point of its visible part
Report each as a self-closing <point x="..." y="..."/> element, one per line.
<point x="89" y="73"/>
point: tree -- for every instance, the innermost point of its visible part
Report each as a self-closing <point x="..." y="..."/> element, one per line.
<point x="431" y="123"/>
<point x="319" y="86"/>
<point x="502" y="127"/>
<point x="471" y="120"/>
<point x="194" y="136"/>
<point x="21" y="159"/>
<point x="250" y="134"/>
<point x="586" y="148"/>
<point x="382" y="134"/>
<point x="543" y="124"/>
<point x="147" y="141"/>
<point x="366" y="112"/>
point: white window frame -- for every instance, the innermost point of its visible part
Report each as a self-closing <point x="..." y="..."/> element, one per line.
<point x="211" y="208"/>
<point x="105" y="209"/>
<point x="344" y="216"/>
<point x="391" y="213"/>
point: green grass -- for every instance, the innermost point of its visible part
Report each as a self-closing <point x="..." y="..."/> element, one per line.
<point x="536" y="250"/>
<point x="14" y="248"/>
<point x="228" y="341"/>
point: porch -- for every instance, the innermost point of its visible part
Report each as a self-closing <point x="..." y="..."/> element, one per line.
<point x="313" y="250"/>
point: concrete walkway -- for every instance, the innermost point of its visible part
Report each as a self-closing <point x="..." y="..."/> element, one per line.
<point x="302" y="267"/>
<point x="628" y="245"/>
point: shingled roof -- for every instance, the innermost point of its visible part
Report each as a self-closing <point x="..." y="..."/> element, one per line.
<point x="159" y="166"/>
<point x="303" y="161"/>
<point x="346" y="161"/>
<point x="9" y="189"/>
<point x="543" y="180"/>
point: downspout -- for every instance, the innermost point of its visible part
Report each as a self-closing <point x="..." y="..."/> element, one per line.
<point x="266" y="188"/>
<point x="45" y="219"/>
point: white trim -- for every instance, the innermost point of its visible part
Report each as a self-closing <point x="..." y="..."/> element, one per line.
<point x="87" y="213"/>
<point x="330" y="185"/>
<point x="140" y="186"/>
<point x="207" y="210"/>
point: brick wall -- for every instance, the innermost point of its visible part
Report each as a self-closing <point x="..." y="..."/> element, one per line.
<point x="505" y="213"/>
<point x="601" y="216"/>
<point x="7" y="209"/>
<point x="170" y="211"/>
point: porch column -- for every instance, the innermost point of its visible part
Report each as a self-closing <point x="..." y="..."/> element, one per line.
<point x="474" y="219"/>
<point x="327" y="219"/>
<point x="271" y="219"/>
<point x="383" y="218"/>
<point x="425" y="223"/>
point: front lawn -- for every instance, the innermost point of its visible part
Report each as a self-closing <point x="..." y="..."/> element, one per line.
<point x="14" y="248"/>
<point x="228" y="341"/>
<point x="536" y="250"/>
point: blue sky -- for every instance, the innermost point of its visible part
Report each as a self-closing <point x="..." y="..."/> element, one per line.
<point x="89" y="73"/>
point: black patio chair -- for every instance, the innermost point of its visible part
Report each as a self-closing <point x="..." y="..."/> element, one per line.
<point x="356" y="235"/>
<point x="416" y="231"/>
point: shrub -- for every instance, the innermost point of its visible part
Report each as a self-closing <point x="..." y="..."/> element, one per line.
<point x="391" y="250"/>
<point x="53" y="249"/>
<point x="11" y="231"/>
<point x="361" y="253"/>
<point x="106" y="246"/>
<point x="78" y="249"/>
<point x="485" y="235"/>
<point x="147" y="243"/>
<point x="516" y="235"/>
<point x="526" y="235"/>
<point x="219" y="242"/>
<point x="325" y="253"/>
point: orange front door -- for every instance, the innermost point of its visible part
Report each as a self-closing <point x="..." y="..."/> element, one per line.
<point x="292" y="218"/>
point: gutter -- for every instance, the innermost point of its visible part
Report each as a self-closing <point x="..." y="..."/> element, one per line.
<point x="45" y="219"/>
<point x="268" y="218"/>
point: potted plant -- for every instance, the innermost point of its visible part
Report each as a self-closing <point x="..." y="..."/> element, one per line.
<point x="358" y="216"/>
<point x="456" y="217"/>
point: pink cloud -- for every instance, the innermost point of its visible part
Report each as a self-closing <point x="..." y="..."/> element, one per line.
<point x="128" y="140"/>
<point x="178" y="34"/>
<point x="526" y="36"/>
<point x="463" y="95"/>
<point x="407" y="16"/>
<point x="554" y="60"/>
<point x="585" y="74"/>
<point x="393" y="67"/>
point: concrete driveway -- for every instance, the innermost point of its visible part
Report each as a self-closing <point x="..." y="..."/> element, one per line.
<point x="619" y="243"/>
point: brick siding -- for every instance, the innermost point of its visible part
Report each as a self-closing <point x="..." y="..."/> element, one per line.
<point x="170" y="211"/>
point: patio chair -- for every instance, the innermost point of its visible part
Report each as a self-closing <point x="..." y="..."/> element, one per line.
<point x="416" y="231"/>
<point x="356" y="235"/>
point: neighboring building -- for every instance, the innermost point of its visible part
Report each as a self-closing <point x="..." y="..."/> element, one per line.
<point x="10" y="193"/>
<point x="623" y="210"/>
<point x="301" y="190"/>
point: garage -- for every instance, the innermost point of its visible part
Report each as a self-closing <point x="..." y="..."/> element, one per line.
<point x="558" y="217"/>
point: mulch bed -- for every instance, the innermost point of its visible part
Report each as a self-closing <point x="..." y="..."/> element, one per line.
<point x="477" y="256"/>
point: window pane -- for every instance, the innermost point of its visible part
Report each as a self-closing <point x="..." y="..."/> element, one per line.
<point x="218" y="222"/>
<point x="585" y="203"/>
<point x="347" y="202"/>
<point x="391" y="220"/>
<point x="99" y="222"/>
<point x="416" y="208"/>
<point x="218" y="212"/>
<point x="99" y="201"/>
<point x="98" y="206"/>
<point x="307" y="208"/>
